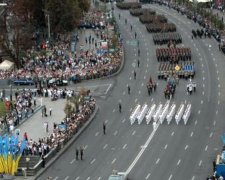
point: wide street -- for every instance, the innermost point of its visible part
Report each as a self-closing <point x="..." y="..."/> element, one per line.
<point x="172" y="152"/>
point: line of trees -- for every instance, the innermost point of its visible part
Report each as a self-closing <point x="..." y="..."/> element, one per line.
<point x="64" y="14"/>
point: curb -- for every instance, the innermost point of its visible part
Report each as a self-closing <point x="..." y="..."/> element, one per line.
<point x="70" y="142"/>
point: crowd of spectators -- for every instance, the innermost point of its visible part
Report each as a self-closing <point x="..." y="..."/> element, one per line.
<point x="19" y="108"/>
<point x="63" y="131"/>
<point x="57" y="61"/>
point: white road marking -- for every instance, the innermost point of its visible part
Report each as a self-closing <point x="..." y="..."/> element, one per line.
<point x="217" y="72"/>
<point x="97" y="133"/>
<point x="113" y="161"/>
<point x="197" y="49"/>
<point x="172" y="133"/>
<point x="211" y="134"/>
<point x="218" y="85"/>
<point x="216" y="111"/>
<point x="206" y="148"/>
<point x="114" y="110"/>
<point x="170" y="177"/>
<point x="115" y="133"/>
<point x="85" y="147"/>
<point x="147" y="176"/>
<point x="218" y="93"/>
<point x="200" y="163"/>
<point x="133" y="133"/>
<point x="202" y="101"/>
<point x="191" y="134"/>
<point x="135" y="100"/>
<point x="165" y="147"/>
<point x="142" y="84"/>
<point x="186" y="147"/>
<point x="203" y="93"/>
<point x="88" y="178"/>
<point x="147" y="53"/>
<point x="203" y="78"/>
<point x="212" y="55"/>
<point x="105" y="146"/>
<point x="93" y="161"/>
<point x="142" y="149"/>
<point x="130" y="78"/>
<point x="106" y="121"/>
<point x="124" y="93"/>
<point x="147" y="65"/>
<point x="67" y="177"/>
<point x="200" y="59"/>
<point x="157" y="161"/>
<point x="178" y="162"/>
<point x="99" y="178"/>
<point x="147" y="59"/>
<point x="203" y="85"/>
<point x="130" y="109"/>
<point x="124" y="146"/>
<point x="77" y="178"/>
<point x="218" y="102"/>
<point x="71" y="162"/>
<point x="196" y="122"/>
<point x="139" y="92"/>
<point x="151" y="99"/>
<point x="202" y="65"/>
<point x="144" y="77"/>
<point x="123" y="121"/>
<point x="108" y="88"/>
<point x="216" y="65"/>
<point x="218" y="78"/>
<point x="199" y="111"/>
<point x="193" y="178"/>
<point x="146" y="71"/>
<point x="214" y="122"/>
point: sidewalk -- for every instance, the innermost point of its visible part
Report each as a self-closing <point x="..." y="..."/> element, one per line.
<point x="34" y="126"/>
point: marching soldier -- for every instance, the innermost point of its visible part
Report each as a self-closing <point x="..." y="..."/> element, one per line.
<point x="120" y="107"/>
<point x="135" y="75"/>
<point x="128" y="89"/>
<point x="77" y="154"/>
<point x="81" y="153"/>
<point x="104" y="128"/>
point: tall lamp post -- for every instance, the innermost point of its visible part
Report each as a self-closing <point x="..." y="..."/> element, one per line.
<point x="47" y="13"/>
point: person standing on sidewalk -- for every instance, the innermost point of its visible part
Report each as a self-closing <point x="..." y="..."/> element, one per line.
<point x="138" y="63"/>
<point x="50" y="111"/>
<point x="77" y="154"/>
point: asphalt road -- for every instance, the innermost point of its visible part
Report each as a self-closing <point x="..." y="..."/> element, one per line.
<point x="175" y="151"/>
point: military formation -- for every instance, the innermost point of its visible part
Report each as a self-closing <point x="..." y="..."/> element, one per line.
<point x="173" y="55"/>
<point x="166" y="38"/>
<point x="141" y="11"/>
<point x="184" y="70"/>
<point x="130" y="5"/>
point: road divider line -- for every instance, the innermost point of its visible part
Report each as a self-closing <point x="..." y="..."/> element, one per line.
<point x="170" y="177"/>
<point x="206" y="148"/>
<point x="172" y="133"/>
<point x="178" y="162"/>
<point x="211" y="134"/>
<point x="186" y="147"/>
<point x="191" y="134"/>
<point x="67" y="177"/>
<point x="113" y="161"/>
<point x="165" y="147"/>
<point x="133" y="133"/>
<point x="148" y="176"/>
<point x="105" y="146"/>
<point x="157" y="161"/>
<point x="124" y="146"/>
<point x="200" y="163"/>
<point x="71" y="162"/>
